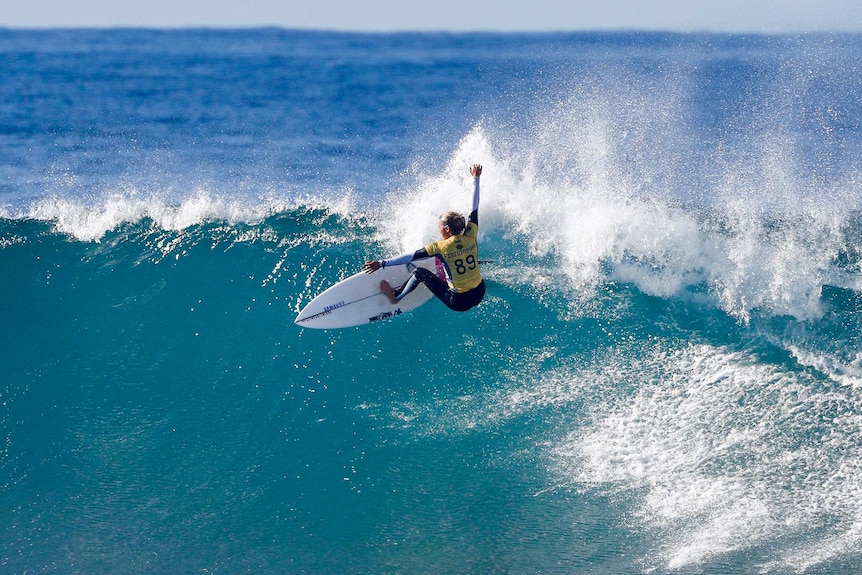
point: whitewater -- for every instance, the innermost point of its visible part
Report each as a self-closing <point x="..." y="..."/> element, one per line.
<point x="665" y="375"/>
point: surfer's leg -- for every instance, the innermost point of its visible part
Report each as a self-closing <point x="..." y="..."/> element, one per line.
<point x="454" y="300"/>
<point x="407" y="287"/>
<point x="437" y="286"/>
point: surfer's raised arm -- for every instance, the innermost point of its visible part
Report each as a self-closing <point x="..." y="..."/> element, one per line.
<point x="458" y="252"/>
<point x="476" y="172"/>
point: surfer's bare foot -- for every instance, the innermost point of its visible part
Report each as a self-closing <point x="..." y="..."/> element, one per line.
<point x="388" y="291"/>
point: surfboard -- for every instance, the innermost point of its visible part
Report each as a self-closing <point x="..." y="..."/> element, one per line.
<point x="357" y="300"/>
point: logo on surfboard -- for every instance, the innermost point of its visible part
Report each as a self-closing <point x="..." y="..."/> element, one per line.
<point x="385" y="315"/>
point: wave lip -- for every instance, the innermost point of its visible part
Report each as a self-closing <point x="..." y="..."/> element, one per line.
<point x="88" y="220"/>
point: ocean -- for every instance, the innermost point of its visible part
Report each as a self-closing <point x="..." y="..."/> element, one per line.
<point x="665" y="376"/>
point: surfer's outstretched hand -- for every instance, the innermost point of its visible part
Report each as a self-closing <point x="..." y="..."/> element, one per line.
<point x="371" y="266"/>
<point x="476" y="170"/>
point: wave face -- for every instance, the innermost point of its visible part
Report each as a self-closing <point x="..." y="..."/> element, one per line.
<point x="665" y="375"/>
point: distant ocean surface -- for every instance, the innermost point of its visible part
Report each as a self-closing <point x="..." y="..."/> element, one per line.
<point x="665" y="376"/>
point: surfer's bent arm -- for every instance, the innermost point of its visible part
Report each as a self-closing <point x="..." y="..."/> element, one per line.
<point x="374" y="265"/>
<point x="405" y="258"/>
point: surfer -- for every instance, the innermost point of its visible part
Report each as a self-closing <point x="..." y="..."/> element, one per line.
<point x="458" y="250"/>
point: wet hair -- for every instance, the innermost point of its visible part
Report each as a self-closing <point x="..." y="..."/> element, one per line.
<point x="455" y="221"/>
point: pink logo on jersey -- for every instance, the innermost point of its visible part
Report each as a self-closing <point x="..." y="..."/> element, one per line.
<point x="441" y="269"/>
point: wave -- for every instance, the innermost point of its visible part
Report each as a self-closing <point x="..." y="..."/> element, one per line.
<point x="749" y="257"/>
<point x="791" y="277"/>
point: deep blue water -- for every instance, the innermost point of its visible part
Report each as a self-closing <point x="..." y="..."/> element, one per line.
<point x="665" y="376"/>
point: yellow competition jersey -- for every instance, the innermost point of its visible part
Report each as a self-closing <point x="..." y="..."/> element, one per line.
<point x="461" y="255"/>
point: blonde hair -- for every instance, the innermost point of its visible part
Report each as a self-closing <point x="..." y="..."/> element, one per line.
<point x="455" y="221"/>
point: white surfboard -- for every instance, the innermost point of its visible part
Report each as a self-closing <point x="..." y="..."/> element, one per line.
<point x="357" y="300"/>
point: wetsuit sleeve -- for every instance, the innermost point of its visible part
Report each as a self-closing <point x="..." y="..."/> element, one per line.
<point x="405" y="258"/>
<point x="474" y="215"/>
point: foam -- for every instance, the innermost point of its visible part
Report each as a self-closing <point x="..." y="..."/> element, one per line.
<point x="844" y="371"/>
<point x="724" y="454"/>
<point x="408" y="220"/>
<point x="89" y="219"/>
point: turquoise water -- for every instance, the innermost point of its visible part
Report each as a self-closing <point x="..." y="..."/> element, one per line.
<point x="664" y="376"/>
